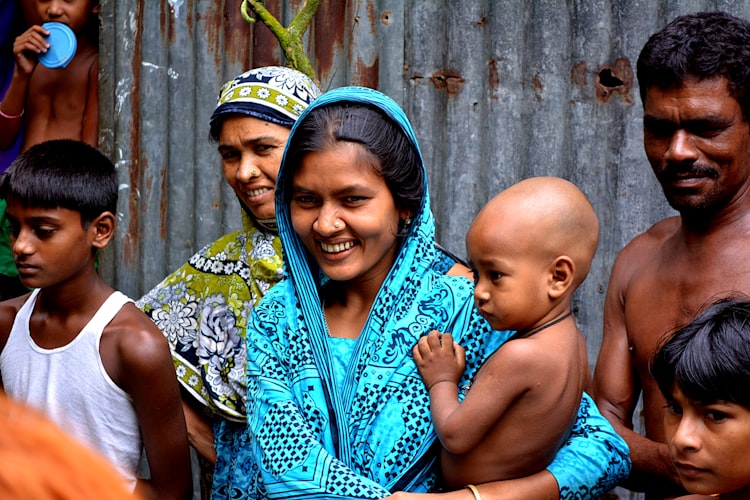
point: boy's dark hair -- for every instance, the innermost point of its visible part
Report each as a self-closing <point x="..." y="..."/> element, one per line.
<point x="397" y="160"/>
<point x="709" y="359"/>
<point x="701" y="46"/>
<point x="63" y="173"/>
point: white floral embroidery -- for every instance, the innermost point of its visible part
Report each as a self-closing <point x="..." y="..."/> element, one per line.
<point x="221" y="343"/>
<point x="177" y="321"/>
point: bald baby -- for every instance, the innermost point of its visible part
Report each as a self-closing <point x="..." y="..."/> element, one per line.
<point x="546" y="217"/>
<point x="529" y="249"/>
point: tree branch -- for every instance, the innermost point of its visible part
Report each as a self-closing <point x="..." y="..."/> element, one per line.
<point x="289" y="38"/>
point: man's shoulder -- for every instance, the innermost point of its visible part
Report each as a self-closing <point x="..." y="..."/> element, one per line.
<point x="655" y="235"/>
<point x="647" y="243"/>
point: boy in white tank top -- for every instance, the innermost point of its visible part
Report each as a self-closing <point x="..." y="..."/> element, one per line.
<point x="75" y="348"/>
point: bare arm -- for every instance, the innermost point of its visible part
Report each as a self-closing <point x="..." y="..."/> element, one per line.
<point x="539" y="486"/>
<point x="200" y="430"/>
<point x="148" y="376"/>
<point x="462" y="426"/>
<point x="90" y="128"/>
<point x="441" y="362"/>
<point x="8" y="310"/>
<point x="617" y="390"/>
<point x="25" y="49"/>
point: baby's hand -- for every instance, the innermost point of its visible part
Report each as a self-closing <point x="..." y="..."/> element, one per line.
<point x="27" y="46"/>
<point x="439" y="359"/>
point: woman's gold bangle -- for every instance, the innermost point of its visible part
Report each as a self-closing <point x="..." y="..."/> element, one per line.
<point x="475" y="491"/>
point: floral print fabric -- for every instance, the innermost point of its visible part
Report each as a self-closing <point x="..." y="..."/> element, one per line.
<point x="202" y="309"/>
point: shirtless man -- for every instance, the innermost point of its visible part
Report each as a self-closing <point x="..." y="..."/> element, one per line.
<point x="693" y="78"/>
<point x="55" y="103"/>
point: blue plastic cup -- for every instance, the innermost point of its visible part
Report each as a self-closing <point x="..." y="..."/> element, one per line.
<point x="62" y="46"/>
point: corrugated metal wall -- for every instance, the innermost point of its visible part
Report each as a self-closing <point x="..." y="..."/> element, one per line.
<point x="497" y="91"/>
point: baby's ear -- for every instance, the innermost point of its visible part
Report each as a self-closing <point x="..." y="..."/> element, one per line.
<point x="561" y="274"/>
<point x="102" y="229"/>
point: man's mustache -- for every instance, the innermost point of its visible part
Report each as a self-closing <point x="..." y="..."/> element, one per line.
<point x="681" y="170"/>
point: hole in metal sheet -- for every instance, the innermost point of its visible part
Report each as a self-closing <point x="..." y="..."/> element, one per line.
<point x="608" y="79"/>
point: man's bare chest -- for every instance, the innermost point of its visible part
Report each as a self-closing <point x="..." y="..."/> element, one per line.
<point x="658" y="303"/>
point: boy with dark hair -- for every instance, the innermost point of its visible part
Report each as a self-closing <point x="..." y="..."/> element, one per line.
<point x="75" y="348"/>
<point x="703" y="371"/>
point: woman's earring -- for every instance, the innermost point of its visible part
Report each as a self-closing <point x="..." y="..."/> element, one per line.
<point x="404" y="225"/>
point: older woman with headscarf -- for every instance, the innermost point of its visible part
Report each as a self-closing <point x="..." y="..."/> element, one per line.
<point x="202" y="308"/>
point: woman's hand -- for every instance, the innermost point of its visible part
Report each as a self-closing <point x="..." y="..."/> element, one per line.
<point x="200" y="432"/>
<point x="539" y="486"/>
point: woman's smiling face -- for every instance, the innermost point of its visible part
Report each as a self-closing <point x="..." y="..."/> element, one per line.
<point x="251" y="150"/>
<point x="345" y="214"/>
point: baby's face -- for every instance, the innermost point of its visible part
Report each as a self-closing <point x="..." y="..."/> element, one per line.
<point x="709" y="445"/>
<point x="511" y="280"/>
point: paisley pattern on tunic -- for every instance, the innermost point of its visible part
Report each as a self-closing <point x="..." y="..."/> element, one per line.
<point x="313" y="433"/>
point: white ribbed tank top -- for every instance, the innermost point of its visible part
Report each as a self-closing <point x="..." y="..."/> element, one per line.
<point x="70" y="385"/>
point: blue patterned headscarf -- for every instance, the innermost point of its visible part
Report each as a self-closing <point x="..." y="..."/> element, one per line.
<point x="273" y="93"/>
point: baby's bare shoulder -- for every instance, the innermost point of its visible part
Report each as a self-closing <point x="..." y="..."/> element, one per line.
<point x="550" y="352"/>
